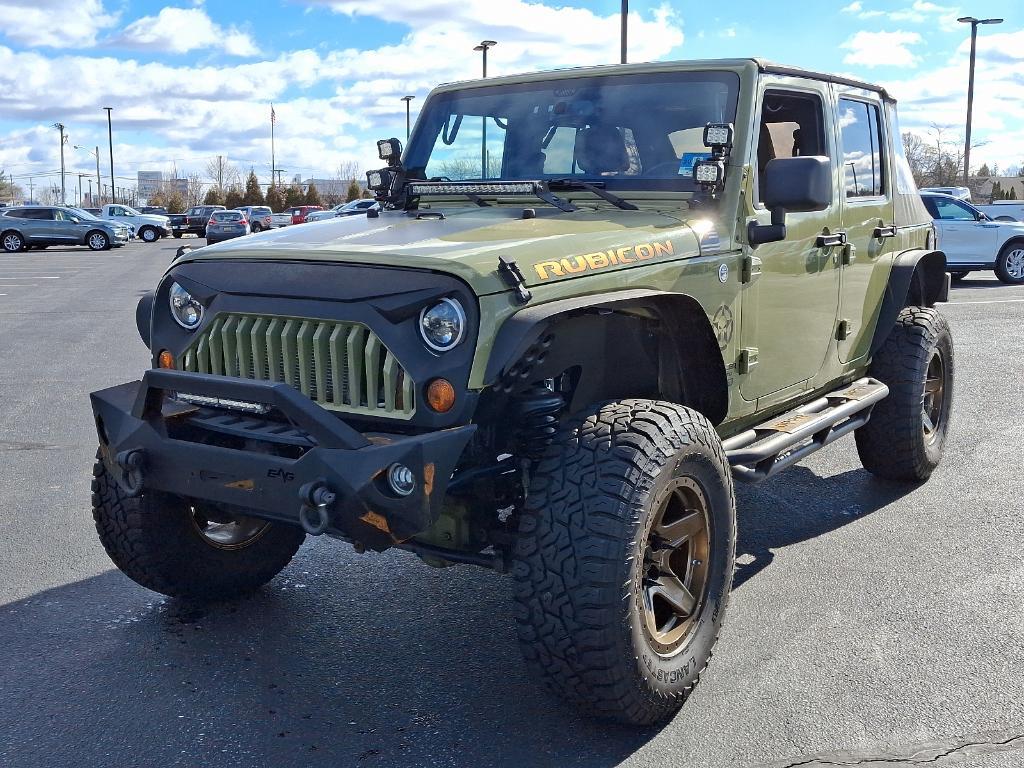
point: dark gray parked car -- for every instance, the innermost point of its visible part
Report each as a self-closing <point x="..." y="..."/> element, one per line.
<point x="224" y="225"/>
<point x="40" y="226"/>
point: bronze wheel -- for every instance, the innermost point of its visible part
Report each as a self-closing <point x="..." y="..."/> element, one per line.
<point x="934" y="399"/>
<point x="675" y="565"/>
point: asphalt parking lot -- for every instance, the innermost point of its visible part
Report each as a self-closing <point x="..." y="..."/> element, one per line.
<point x="870" y="624"/>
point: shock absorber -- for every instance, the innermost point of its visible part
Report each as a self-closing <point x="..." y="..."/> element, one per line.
<point x="535" y="413"/>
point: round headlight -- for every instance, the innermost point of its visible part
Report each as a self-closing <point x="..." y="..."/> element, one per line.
<point x="443" y="325"/>
<point x="186" y="310"/>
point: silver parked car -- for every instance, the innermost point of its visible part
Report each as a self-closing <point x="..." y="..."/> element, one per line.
<point x="41" y="226"/>
<point x="224" y="225"/>
<point x="260" y="216"/>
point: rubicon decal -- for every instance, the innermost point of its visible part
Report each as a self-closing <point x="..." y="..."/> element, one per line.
<point x="590" y="261"/>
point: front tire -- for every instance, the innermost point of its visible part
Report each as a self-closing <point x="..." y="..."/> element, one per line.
<point x="625" y="557"/>
<point x="149" y="235"/>
<point x="905" y="437"/>
<point x="167" y="545"/>
<point x="97" y="241"/>
<point x="256" y="228"/>
<point x="1010" y="264"/>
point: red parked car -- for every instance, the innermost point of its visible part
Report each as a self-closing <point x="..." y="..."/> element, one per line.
<point x="300" y="212"/>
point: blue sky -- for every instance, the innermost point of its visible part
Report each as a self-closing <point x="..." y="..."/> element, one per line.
<point x="192" y="80"/>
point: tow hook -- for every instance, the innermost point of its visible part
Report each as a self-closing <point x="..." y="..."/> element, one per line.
<point x="131" y="463"/>
<point x="316" y="497"/>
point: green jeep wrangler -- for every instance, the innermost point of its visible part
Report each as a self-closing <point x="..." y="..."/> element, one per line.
<point x="592" y="301"/>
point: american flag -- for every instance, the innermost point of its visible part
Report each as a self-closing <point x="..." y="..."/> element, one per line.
<point x="273" y="116"/>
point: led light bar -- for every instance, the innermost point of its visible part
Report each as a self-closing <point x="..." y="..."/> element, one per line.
<point x="495" y="188"/>
<point x="258" y="409"/>
<point x="708" y="171"/>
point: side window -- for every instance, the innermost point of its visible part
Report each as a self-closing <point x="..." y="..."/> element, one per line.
<point x="792" y="125"/>
<point x="40" y="214"/>
<point x="59" y="215"/>
<point x="860" y="131"/>
<point x="951" y="210"/>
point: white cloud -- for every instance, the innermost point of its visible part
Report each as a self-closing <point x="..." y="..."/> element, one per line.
<point x="54" y="23"/>
<point x="179" y="30"/>
<point x="854" y="7"/>
<point x="919" y="12"/>
<point x="877" y="49"/>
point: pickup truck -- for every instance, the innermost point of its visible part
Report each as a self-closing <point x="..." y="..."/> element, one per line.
<point x="1004" y="210"/>
<point x="148" y="227"/>
<point x="196" y="219"/>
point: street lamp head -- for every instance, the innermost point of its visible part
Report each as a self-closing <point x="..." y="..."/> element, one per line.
<point x="967" y="20"/>
<point x="991" y="21"/>
<point x="484" y="45"/>
<point x="408" y="98"/>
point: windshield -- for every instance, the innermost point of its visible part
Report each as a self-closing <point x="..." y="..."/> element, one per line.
<point x="84" y="214"/>
<point x="639" y="131"/>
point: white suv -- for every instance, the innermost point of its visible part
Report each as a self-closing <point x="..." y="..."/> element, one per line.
<point x="971" y="240"/>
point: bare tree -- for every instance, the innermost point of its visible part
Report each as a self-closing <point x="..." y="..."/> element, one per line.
<point x="225" y="175"/>
<point x="194" y="194"/>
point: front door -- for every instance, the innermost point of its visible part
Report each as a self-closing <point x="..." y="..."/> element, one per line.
<point x="789" y="304"/>
<point x="868" y="221"/>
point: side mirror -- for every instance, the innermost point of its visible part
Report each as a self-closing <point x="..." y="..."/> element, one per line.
<point x="792" y="185"/>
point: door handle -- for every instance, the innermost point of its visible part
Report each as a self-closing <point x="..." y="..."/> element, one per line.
<point x="827" y="241"/>
<point x="882" y="232"/>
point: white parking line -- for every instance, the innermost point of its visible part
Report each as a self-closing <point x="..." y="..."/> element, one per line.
<point x="33" y="277"/>
<point x="993" y="301"/>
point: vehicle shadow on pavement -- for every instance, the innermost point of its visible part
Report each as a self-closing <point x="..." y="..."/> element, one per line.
<point x="341" y="661"/>
<point x="799" y="505"/>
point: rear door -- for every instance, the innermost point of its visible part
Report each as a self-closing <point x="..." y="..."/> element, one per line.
<point x="868" y="216"/>
<point x="39" y="225"/>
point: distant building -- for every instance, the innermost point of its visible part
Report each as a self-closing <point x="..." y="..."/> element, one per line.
<point x="149" y="182"/>
<point x="1006" y="183"/>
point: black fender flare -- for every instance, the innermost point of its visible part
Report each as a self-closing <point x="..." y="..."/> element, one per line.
<point x="918" y="277"/>
<point x="144" y="316"/>
<point x="703" y="380"/>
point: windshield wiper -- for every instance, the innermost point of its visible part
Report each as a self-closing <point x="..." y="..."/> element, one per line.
<point x="597" y="189"/>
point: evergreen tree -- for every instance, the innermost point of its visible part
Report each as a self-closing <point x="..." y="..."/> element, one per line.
<point x="312" y="195"/>
<point x="233" y="198"/>
<point x="293" y="196"/>
<point x="1013" y="193"/>
<point x="354" y="191"/>
<point x="984" y="172"/>
<point x="275" y="199"/>
<point x="997" y="191"/>
<point x="253" y="194"/>
<point x="213" y="197"/>
<point x="175" y="203"/>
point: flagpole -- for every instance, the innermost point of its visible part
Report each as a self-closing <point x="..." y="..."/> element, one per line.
<point x="273" y="162"/>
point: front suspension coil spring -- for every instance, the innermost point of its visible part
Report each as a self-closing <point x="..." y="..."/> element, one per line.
<point x="535" y="420"/>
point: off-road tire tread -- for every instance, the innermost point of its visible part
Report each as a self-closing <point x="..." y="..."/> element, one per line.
<point x="130" y="532"/>
<point x="569" y="577"/>
<point x="891" y="445"/>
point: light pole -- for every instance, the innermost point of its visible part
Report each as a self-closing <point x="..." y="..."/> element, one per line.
<point x="110" y="141"/>
<point x="95" y="153"/>
<point x="970" y="89"/>
<point x="622" y="35"/>
<point x="408" y="123"/>
<point x="63" y="197"/>
<point x="81" y="200"/>
<point x="482" y="47"/>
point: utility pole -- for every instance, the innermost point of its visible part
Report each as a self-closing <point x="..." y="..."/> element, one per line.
<point x="220" y="174"/>
<point x="482" y="47"/>
<point x="81" y="201"/>
<point x="970" y="89"/>
<point x="623" y="32"/>
<point x="110" y="142"/>
<point x="63" y="198"/>
<point x="273" y="160"/>
<point x="31" y="196"/>
<point x="92" y="200"/>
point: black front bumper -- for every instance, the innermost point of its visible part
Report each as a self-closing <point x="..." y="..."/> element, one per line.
<point x="135" y="423"/>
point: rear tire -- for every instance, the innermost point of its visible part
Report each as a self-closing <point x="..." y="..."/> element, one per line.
<point x="256" y="228"/>
<point x="594" y="564"/>
<point x="158" y="542"/>
<point x="1010" y="264"/>
<point x="12" y="241"/>
<point x="906" y="434"/>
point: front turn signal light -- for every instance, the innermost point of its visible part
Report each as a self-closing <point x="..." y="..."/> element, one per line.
<point x="440" y="395"/>
<point x="165" y="359"/>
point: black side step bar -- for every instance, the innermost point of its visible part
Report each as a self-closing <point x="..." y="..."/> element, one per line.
<point x="767" y="449"/>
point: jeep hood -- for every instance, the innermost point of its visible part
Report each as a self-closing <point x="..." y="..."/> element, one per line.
<point x="466" y="242"/>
